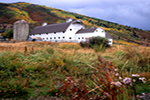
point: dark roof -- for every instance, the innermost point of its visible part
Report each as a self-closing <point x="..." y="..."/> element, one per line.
<point x="59" y="27"/>
<point x="86" y="30"/>
<point x="92" y="30"/>
<point x="7" y="26"/>
<point x="108" y="35"/>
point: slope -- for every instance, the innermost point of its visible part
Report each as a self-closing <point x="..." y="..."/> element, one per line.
<point x="37" y="14"/>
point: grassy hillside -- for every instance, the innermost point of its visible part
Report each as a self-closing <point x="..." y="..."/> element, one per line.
<point x="30" y="70"/>
<point x="37" y="14"/>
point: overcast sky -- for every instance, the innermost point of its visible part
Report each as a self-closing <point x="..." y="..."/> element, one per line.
<point x="134" y="13"/>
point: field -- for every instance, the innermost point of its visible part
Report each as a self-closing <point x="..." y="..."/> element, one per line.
<point x="30" y="70"/>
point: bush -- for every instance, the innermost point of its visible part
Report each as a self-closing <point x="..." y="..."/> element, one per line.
<point x="97" y="43"/>
<point x="8" y="34"/>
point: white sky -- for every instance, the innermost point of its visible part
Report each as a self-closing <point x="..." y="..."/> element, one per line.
<point x="134" y="13"/>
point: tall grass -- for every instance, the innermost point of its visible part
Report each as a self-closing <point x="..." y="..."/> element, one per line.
<point x="40" y="68"/>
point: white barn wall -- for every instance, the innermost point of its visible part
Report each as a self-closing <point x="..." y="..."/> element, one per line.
<point x="82" y="36"/>
<point x="59" y="35"/>
<point x="71" y="33"/>
<point x="100" y="32"/>
<point x="50" y="36"/>
<point x="110" y="42"/>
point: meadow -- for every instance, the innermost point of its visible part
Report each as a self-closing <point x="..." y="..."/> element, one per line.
<point x="30" y="70"/>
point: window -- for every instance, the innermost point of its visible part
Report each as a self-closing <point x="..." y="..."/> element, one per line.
<point x="70" y="29"/>
<point x="33" y="34"/>
<point x="102" y="31"/>
<point x="39" y="34"/>
<point x="43" y="38"/>
<point x="54" y="32"/>
<point x="78" y="37"/>
<point x="50" y="37"/>
<point x="96" y="30"/>
<point x="63" y="31"/>
<point x="46" y="33"/>
<point x="69" y="37"/>
<point x="54" y="37"/>
<point x="63" y="37"/>
<point x="47" y="38"/>
<point x="82" y="37"/>
<point x="58" y="37"/>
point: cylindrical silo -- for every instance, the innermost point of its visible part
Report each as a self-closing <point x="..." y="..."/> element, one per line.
<point x="21" y="30"/>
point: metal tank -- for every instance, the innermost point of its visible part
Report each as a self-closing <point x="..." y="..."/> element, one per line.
<point x="21" y="30"/>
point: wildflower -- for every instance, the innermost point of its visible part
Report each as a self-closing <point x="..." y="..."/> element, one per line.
<point x="117" y="74"/>
<point x="127" y="80"/>
<point x="135" y="75"/>
<point x="118" y="84"/>
<point x="116" y="70"/>
<point x="137" y="96"/>
<point x="143" y="79"/>
<point x="112" y="83"/>
<point x="143" y="94"/>
<point x="130" y="84"/>
<point x="120" y="78"/>
<point x="134" y="80"/>
<point x="107" y="94"/>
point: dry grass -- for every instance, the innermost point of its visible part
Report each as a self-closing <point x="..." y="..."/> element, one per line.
<point x="145" y="74"/>
<point x="20" y="47"/>
<point x="73" y="47"/>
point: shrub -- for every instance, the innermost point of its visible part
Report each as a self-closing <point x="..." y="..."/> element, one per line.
<point x="8" y="34"/>
<point x="97" y="43"/>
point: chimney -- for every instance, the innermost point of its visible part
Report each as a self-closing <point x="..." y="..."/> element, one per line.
<point x="69" y="20"/>
<point x="44" y="24"/>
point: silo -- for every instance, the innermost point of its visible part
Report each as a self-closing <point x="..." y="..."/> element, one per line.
<point x="21" y="30"/>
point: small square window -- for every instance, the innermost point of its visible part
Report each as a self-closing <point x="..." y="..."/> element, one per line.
<point x="63" y="31"/>
<point x="33" y="34"/>
<point x="70" y="29"/>
<point x="50" y="37"/>
<point x="63" y="37"/>
<point x="54" y="32"/>
<point x="47" y="38"/>
<point x="54" y="37"/>
<point x="58" y="37"/>
<point x="78" y="37"/>
<point x="39" y="34"/>
<point x="46" y="33"/>
<point x="69" y="37"/>
<point x="43" y="38"/>
<point x="82" y="37"/>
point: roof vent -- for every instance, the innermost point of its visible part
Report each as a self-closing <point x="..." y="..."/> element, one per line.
<point x="69" y="20"/>
<point x="93" y="27"/>
<point x="44" y="24"/>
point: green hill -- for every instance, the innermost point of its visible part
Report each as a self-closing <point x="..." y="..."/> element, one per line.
<point x="37" y="14"/>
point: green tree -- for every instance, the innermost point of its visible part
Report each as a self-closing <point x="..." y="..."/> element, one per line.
<point x="8" y="34"/>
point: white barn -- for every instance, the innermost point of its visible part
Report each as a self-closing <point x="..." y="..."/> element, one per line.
<point x="69" y="31"/>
